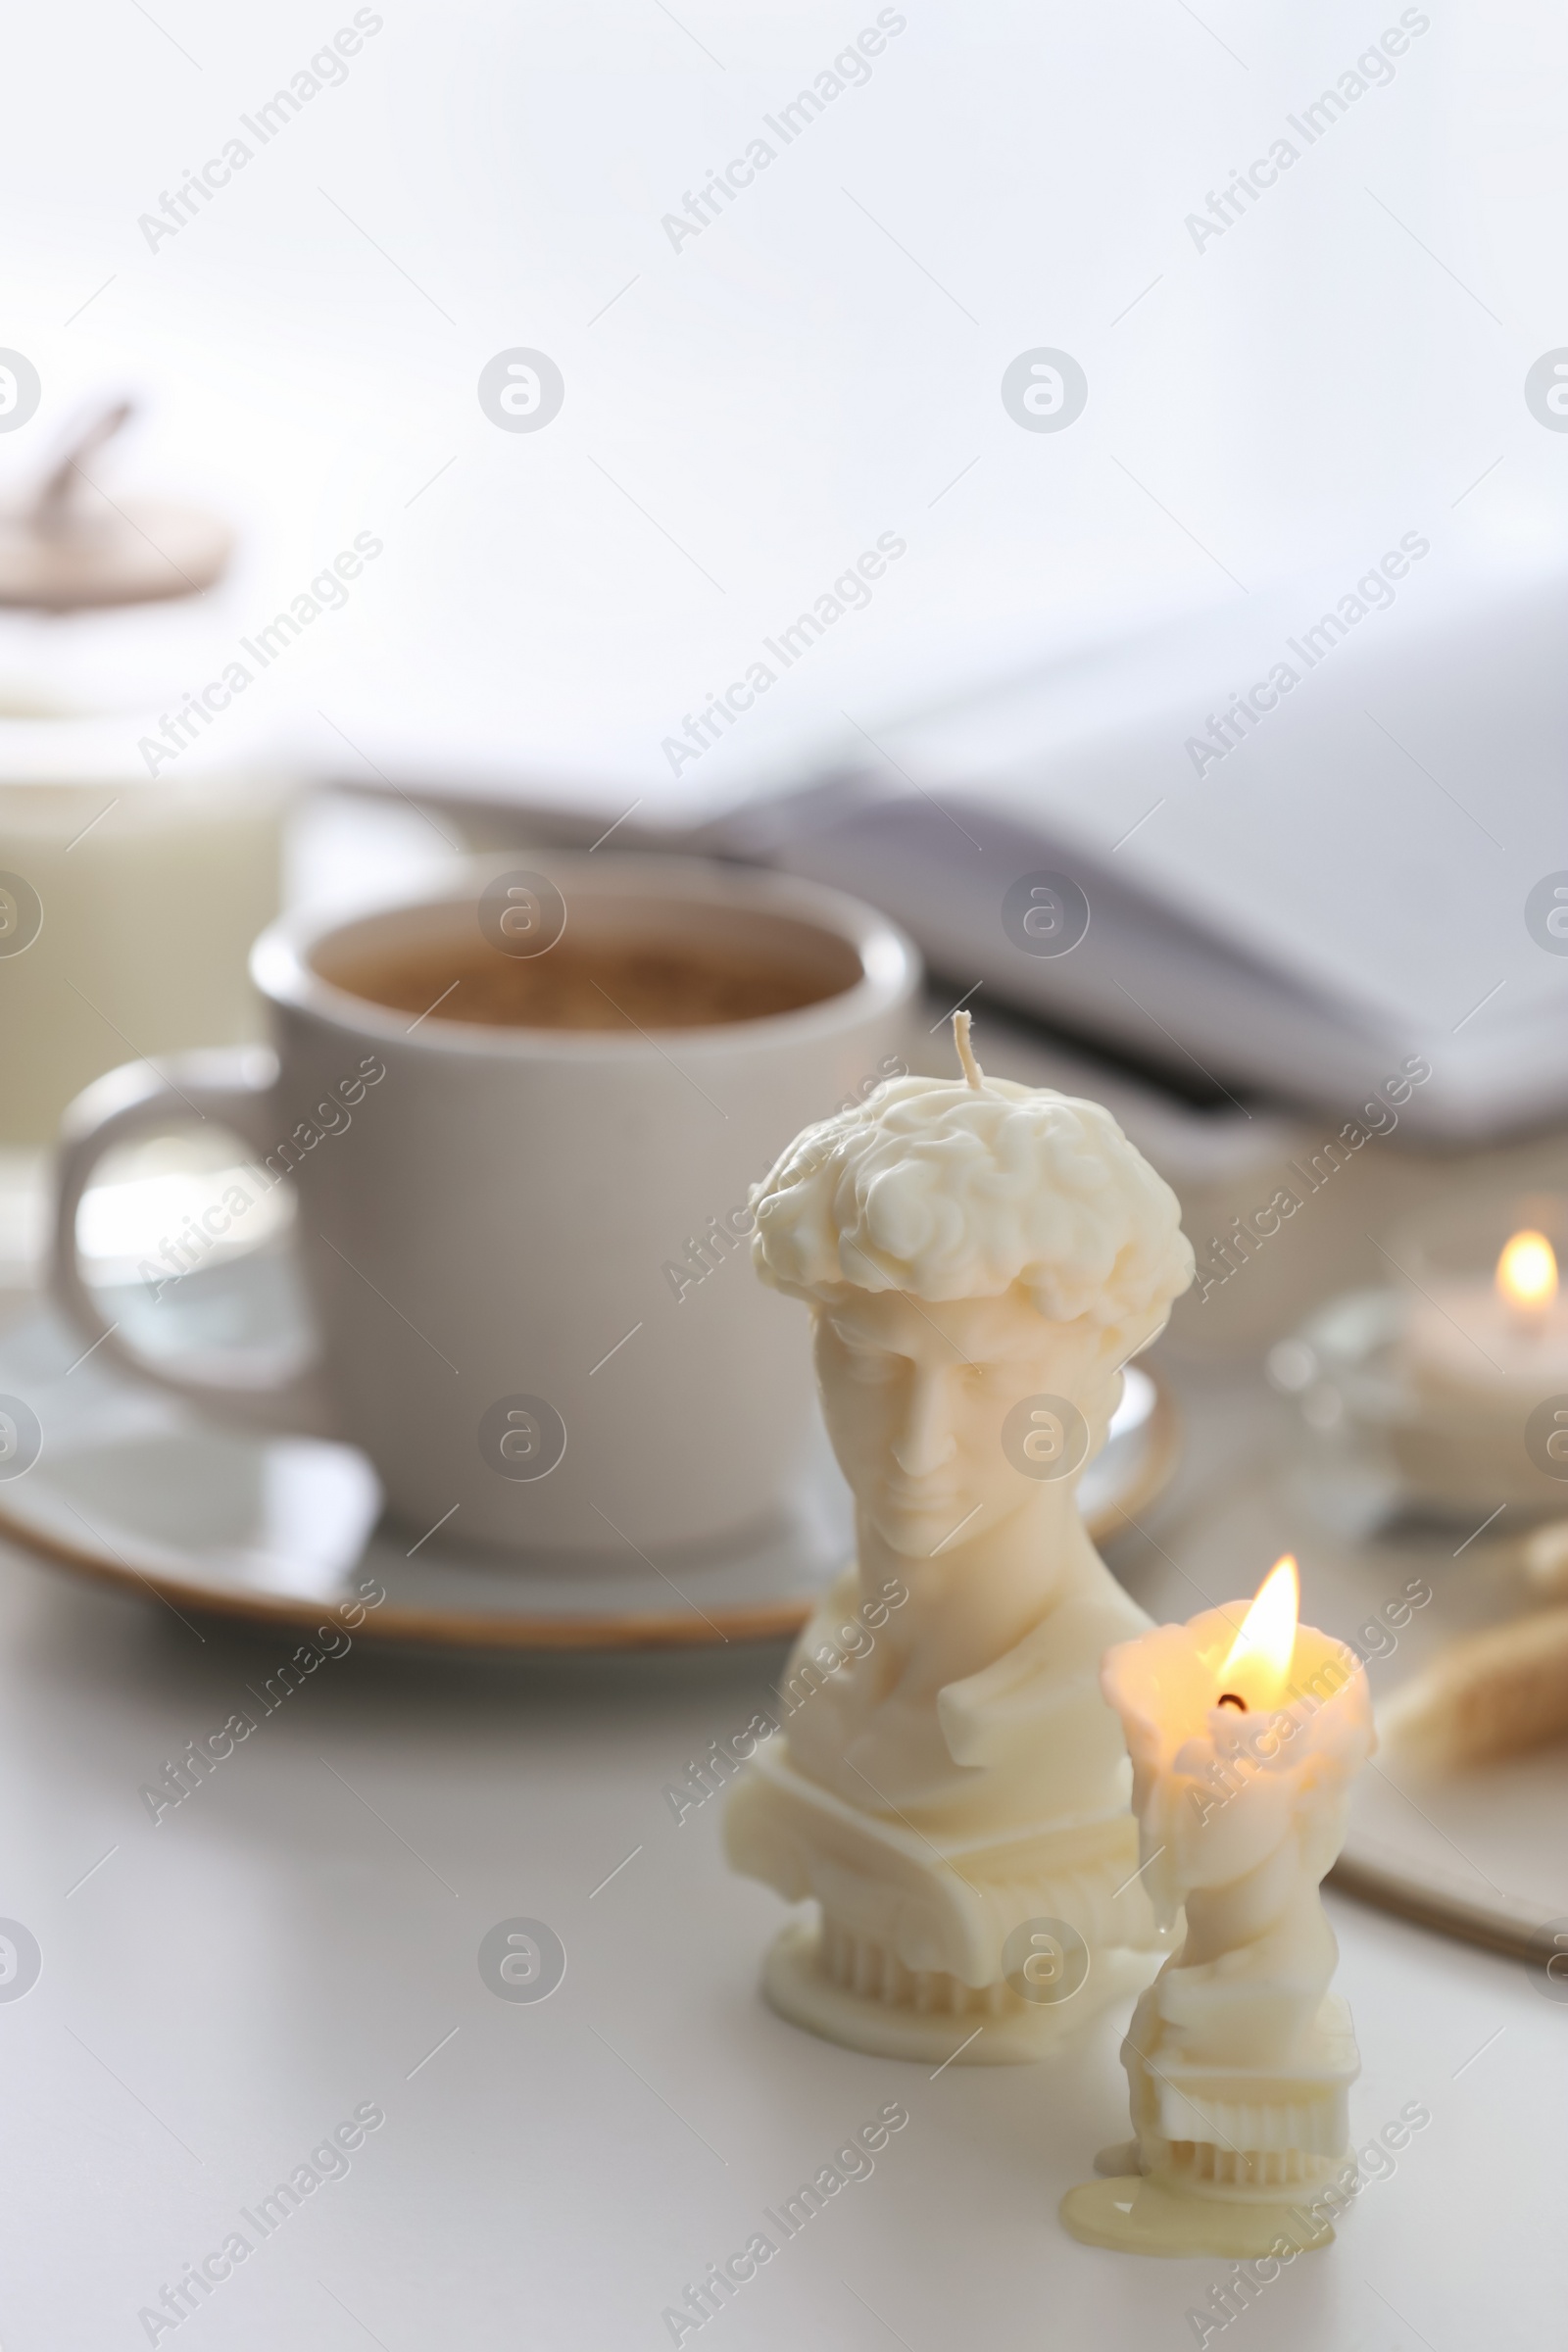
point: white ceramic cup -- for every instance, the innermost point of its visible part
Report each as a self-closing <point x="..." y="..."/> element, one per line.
<point x="504" y="1235"/>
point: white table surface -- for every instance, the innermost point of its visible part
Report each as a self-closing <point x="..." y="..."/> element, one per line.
<point x="300" y="1935"/>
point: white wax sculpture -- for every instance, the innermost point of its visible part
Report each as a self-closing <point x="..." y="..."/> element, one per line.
<point x="1239" y="2057"/>
<point x="980" y="1260"/>
<point x="1480" y="1357"/>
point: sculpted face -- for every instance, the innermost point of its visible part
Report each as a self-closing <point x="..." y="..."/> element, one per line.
<point x="916" y="1393"/>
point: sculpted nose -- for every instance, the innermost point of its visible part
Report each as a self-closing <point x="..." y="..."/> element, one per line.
<point x="925" y="1438"/>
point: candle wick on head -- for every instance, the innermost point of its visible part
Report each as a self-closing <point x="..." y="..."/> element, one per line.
<point x="967" y="1062"/>
<point x="1231" y="1699"/>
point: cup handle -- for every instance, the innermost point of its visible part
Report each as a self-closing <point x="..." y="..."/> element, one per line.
<point x="238" y="1087"/>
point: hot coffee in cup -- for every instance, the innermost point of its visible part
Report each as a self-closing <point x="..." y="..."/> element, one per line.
<point x="521" y="1122"/>
<point x="640" y="985"/>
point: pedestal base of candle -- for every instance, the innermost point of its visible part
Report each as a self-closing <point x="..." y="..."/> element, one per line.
<point x="1135" y="2215"/>
<point x="1261" y="2131"/>
<point x="1228" y="2159"/>
<point x="914" y="1953"/>
<point x="990" y="2027"/>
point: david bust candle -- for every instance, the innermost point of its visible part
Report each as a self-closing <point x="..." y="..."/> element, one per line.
<point x="1244" y="1732"/>
<point x="980" y="1258"/>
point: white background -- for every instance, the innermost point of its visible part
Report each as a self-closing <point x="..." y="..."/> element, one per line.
<point x="1343" y="365"/>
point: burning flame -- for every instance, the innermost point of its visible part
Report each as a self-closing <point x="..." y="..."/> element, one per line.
<point x="1259" y="1659"/>
<point x="1527" y="1273"/>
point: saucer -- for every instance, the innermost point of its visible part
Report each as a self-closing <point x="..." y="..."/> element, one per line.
<point x="133" y="1488"/>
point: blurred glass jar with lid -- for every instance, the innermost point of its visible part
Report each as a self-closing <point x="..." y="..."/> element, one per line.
<point x="139" y="832"/>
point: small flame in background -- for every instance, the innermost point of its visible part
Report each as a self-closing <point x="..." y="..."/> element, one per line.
<point x="1260" y="1661"/>
<point x="1527" y="1273"/>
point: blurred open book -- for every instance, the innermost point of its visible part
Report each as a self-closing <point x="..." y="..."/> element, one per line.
<point x="1316" y="838"/>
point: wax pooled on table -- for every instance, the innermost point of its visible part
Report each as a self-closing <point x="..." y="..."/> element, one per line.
<point x="951" y="1787"/>
<point x="1245" y="1729"/>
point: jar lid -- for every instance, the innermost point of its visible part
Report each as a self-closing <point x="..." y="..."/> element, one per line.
<point x="72" y="547"/>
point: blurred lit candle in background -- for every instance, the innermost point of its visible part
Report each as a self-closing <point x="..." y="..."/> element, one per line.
<point x="1526" y="1281"/>
<point x="1469" y="1337"/>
